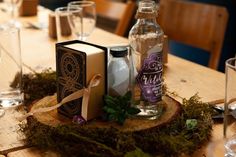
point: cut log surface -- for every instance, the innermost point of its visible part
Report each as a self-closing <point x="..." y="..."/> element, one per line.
<point x="171" y="110"/>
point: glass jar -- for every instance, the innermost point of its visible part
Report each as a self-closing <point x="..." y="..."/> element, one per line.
<point x="146" y="41"/>
<point x="118" y="72"/>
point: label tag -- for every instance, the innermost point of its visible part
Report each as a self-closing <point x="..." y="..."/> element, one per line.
<point x="150" y="77"/>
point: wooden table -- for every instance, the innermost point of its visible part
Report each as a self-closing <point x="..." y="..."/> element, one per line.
<point x="38" y="51"/>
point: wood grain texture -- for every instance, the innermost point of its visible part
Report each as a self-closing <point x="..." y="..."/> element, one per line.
<point x="38" y="51"/>
<point x="53" y="118"/>
<point x="10" y="139"/>
<point x="195" y="24"/>
<point x="187" y="78"/>
<point x="117" y="11"/>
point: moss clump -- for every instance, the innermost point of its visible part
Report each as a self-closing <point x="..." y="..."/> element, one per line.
<point x="38" y="85"/>
<point x="173" y="139"/>
<point x="176" y="138"/>
<point x="74" y="140"/>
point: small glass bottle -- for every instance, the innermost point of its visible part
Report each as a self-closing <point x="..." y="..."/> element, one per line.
<point x="146" y="41"/>
<point x="118" y="72"/>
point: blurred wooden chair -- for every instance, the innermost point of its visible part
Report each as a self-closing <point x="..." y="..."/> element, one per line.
<point x="195" y="24"/>
<point x="115" y="12"/>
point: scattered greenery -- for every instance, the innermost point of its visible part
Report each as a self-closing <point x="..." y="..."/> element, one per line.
<point x="38" y="85"/>
<point x="119" y="108"/>
<point x="176" y="138"/>
<point x="185" y="134"/>
<point x="71" y="140"/>
<point x="172" y="139"/>
<point x="191" y="124"/>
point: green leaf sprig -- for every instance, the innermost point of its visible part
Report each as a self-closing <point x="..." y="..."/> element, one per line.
<point x="119" y="108"/>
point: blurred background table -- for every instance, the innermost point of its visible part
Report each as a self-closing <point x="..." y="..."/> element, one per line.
<point x="38" y="52"/>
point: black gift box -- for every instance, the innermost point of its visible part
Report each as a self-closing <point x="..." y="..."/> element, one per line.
<point x="76" y="63"/>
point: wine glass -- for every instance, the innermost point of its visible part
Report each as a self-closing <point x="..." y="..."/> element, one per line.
<point x="82" y="24"/>
<point x="13" y="6"/>
<point x="63" y="28"/>
<point x="11" y="95"/>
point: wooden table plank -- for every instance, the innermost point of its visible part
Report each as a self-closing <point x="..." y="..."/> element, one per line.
<point x="183" y="77"/>
<point x="187" y="78"/>
<point x="38" y="52"/>
<point x="9" y="135"/>
<point x="41" y="46"/>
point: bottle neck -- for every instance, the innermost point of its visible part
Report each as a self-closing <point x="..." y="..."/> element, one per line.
<point x="145" y="20"/>
<point x="146" y="16"/>
<point x="147" y="11"/>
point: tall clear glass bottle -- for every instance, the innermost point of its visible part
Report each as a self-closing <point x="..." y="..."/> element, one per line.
<point x="146" y="41"/>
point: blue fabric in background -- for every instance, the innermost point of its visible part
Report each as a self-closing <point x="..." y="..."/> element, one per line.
<point x="53" y="4"/>
<point x="190" y="53"/>
<point x="229" y="46"/>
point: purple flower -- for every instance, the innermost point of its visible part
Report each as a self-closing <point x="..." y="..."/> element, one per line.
<point x="78" y="119"/>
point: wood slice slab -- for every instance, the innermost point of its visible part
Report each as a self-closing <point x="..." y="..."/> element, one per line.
<point x="53" y="118"/>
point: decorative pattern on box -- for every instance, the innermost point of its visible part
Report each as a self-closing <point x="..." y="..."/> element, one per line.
<point x="77" y="62"/>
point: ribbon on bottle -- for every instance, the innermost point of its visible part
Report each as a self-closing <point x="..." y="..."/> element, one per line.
<point x="85" y="93"/>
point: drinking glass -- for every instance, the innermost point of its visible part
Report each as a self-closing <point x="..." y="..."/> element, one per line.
<point x="63" y="29"/>
<point x="230" y="108"/>
<point x="82" y="24"/>
<point x="13" y="6"/>
<point x="226" y="145"/>
<point x="230" y="96"/>
<point x="10" y="68"/>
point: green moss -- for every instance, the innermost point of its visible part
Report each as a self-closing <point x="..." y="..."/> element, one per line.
<point x="173" y="139"/>
<point x="38" y="85"/>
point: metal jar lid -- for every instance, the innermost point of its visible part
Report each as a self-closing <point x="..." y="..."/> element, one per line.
<point x="119" y="51"/>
